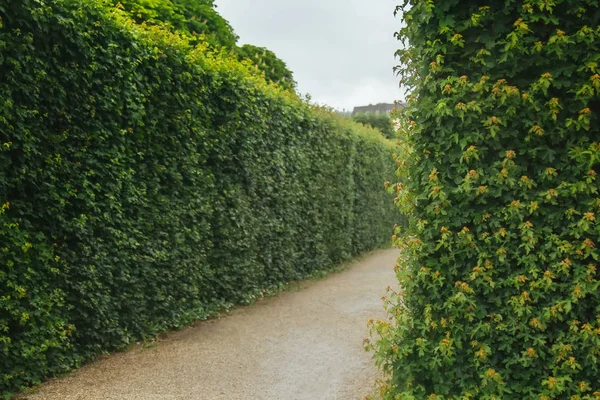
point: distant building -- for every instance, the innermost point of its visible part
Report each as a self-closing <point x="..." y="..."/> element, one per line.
<point x="377" y="109"/>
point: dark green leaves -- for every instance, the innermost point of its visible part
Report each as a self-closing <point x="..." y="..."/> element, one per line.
<point x="500" y="263"/>
<point x="145" y="184"/>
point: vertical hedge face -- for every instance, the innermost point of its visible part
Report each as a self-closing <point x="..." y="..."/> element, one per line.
<point x="500" y="267"/>
<point x="145" y="184"/>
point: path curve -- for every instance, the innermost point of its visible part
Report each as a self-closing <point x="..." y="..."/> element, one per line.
<point x="300" y="345"/>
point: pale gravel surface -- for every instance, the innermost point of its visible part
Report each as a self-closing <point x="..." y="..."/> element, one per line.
<point x="300" y="345"/>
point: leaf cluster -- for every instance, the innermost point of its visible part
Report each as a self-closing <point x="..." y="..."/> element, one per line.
<point x="200" y="21"/>
<point x="500" y="284"/>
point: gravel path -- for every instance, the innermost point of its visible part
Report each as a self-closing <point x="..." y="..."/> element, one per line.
<point x="300" y="345"/>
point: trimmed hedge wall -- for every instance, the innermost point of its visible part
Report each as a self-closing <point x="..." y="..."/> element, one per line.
<point x="500" y="268"/>
<point x="146" y="184"/>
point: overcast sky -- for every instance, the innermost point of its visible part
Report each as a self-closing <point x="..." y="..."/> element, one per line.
<point x="340" y="51"/>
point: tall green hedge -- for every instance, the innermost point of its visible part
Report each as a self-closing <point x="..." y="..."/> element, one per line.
<point x="500" y="271"/>
<point x="145" y="184"/>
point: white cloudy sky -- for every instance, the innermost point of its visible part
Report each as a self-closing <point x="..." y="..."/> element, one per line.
<point x="341" y="51"/>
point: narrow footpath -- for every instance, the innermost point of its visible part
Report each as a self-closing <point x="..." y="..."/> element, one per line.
<point x="304" y="344"/>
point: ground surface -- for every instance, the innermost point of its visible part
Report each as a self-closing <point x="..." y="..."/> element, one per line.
<point x="300" y="345"/>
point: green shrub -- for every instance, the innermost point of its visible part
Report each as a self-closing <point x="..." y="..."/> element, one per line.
<point x="274" y="68"/>
<point x="197" y="19"/>
<point x="147" y="184"/>
<point x="200" y="22"/>
<point x="500" y="284"/>
<point x="382" y="122"/>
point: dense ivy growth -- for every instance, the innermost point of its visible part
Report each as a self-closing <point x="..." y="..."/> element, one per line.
<point x="145" y="184"/>
<point x="500" y="270"/>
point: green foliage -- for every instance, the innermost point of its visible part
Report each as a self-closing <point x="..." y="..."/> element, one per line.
<point x="382" y="122"/>
<point x="200" y="21"/>
<point x="197" y="19"/>
<point x="500" y="284"/>
<point x="266" y="61"/>
<point x="146" y="184"/>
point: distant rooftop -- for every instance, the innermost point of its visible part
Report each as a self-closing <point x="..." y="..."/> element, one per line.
<point x="381" y="108"/>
